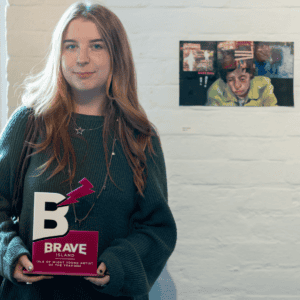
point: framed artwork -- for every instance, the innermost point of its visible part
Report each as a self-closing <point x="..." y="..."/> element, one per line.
<point x="236" y="73"/>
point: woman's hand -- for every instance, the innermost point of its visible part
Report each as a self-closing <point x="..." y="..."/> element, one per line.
<point x="24" y="262"/>
<point x="103" y="278"/>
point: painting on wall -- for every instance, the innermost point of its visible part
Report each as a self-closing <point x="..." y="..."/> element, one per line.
<point x="236" y="73"/>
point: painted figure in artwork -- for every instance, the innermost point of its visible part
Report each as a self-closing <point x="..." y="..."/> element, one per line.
<point x="237" y="85"/>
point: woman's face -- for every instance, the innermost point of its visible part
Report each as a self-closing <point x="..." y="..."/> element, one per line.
<point x="239" y="82"/>
<point x="83" y="50"/>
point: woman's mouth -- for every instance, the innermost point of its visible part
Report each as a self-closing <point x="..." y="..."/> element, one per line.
<point x="84" y="75"/>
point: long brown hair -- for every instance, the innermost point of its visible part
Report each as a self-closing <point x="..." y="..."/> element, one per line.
<point x="50" y="96"/>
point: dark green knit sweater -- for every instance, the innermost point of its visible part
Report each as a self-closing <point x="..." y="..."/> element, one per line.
<point x="136" y="235"/>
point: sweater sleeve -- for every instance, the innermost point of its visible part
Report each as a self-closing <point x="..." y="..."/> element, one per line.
<point x="11" y="142"/>
<point x="135" y="262"/>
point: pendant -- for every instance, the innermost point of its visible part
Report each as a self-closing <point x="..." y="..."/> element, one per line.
<point x="79" y="221"/>
<point x="79" y="130"/>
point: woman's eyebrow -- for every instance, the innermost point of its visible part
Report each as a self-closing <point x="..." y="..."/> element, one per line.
<point x="91" y="41"/>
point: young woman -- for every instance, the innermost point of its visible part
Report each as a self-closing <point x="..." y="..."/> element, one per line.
<point x="237" y="85"/>
<point x="90" y="125"/>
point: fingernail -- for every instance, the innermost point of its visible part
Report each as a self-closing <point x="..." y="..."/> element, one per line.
<point x="29" y="268"/>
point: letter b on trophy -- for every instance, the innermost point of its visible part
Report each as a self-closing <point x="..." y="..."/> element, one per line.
<point x="42" y="214"/>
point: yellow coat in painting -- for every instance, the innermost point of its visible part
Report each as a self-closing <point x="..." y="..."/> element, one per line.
<point x="260" y="93"/>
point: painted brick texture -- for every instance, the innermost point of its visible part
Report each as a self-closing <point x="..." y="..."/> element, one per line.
<point x="234" y="176"/>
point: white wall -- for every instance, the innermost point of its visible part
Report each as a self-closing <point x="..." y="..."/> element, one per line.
<point x="3" y="65"/>
<point x="234" y="176"/>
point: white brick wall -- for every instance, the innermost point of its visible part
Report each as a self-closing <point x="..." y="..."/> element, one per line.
<point x="3" y="59"/>
<point x="234" y="176"/>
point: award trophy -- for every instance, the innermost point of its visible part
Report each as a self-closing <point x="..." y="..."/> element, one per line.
<point x="58" y="250"/>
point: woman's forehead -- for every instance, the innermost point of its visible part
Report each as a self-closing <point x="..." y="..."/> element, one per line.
<point x="82" y="30"/>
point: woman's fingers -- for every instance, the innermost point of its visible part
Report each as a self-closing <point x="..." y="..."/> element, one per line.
<point x="23" y="262"/>
<point x="32" y="279"/>
<point x="103" y="272"/>
<point x="26" y="263"/>
<point x="98" y="281"/>
<point x="101" y="269"/>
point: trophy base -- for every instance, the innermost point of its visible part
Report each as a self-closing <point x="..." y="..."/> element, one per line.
<point x="74" y="254"/>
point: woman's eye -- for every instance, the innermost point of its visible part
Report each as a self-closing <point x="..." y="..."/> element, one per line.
<point x="98" y="46"/>
<point x="68" y="47"/>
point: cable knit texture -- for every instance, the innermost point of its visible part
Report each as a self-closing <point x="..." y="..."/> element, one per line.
<point x="136" y="235"/>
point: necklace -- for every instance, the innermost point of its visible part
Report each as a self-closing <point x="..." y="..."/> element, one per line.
<point x="80" y="130"/>
<point x="103" y="187"/>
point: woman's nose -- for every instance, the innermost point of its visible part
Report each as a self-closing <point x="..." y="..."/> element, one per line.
<point x="83" y="56"/>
